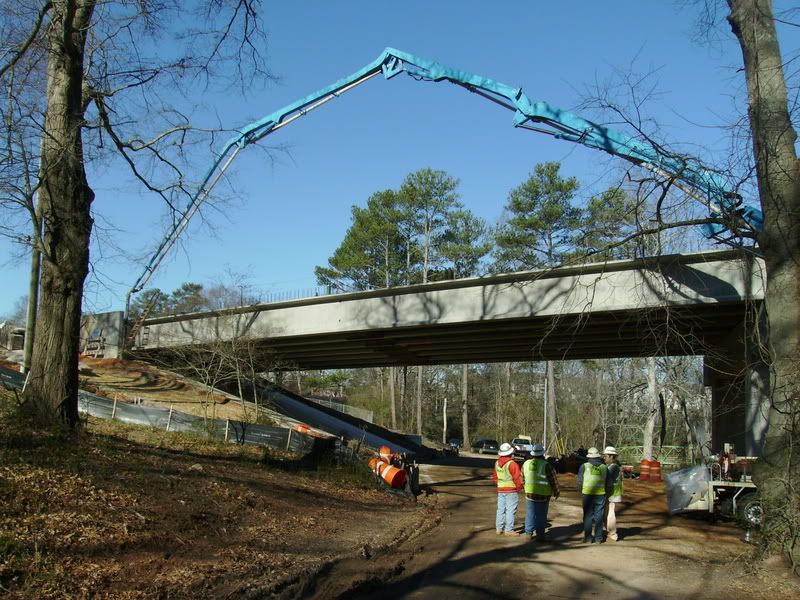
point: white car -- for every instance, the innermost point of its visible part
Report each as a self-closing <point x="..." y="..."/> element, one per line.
<point x="523" y="446"/>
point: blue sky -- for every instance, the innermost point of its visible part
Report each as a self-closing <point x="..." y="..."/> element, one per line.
<point x="292" y="206"/>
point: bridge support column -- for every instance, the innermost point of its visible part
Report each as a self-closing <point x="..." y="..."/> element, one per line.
<point x="740" y="384"/>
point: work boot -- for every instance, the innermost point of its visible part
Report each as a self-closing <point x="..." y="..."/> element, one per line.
<point x="513" y="533"/>
<point x="499" y="532"/>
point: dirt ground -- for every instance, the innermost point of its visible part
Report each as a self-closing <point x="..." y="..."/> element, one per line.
<point x="658" y="557"/>
<point x="124" y="512"/>
<point x="131" y="513"/>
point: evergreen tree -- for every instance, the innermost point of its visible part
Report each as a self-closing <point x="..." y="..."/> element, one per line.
<point x="372" y="252"/>
<point x="608" y="219"/>
<point x="541" y="221"/>
<point x="428" y="197"/>
<point x="188" y="298"/>
<point x="142" y="301"/>
<point x="464" y="243"/>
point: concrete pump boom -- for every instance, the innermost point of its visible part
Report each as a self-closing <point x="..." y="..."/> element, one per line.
<point x="687" y="173"/>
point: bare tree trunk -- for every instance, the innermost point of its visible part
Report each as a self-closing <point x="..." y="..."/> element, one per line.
<point x="598" y="394"/>
<point x="33" y="293"/>
<point x="419" y="400"/>
<point x="392" y="402"/>
<point x="552" y="413"/>
<point x="444" y="421"/>
<point x="65" y="200"/>
<point x="403" y="403"/>
<point x="778" y="175"/>
<point x="691" y="438"/>
<point x="499" y="409"/>
<point x="652" y="412"/>
<point x="706" y="423"/>
<point x="464" y="416"/>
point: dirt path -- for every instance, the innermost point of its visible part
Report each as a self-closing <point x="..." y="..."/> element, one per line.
<point x="464" y="558"/>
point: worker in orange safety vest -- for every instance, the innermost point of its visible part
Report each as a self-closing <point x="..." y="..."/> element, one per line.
<point x="508" y="477"/>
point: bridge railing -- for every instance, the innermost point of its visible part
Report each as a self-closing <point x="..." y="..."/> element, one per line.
<point x="361" y="413"/>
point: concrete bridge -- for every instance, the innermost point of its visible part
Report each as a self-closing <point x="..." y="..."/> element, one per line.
<point x="668" y="305"/>
<point x="688" y="304"/>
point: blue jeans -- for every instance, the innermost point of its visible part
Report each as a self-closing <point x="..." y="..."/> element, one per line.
<point x="593" y="509"/>
<point x="536" y="516"/>
<point x="506" y="510"/>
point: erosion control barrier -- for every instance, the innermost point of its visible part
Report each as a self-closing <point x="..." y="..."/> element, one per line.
<point x="296" y="440"/>
<point x="278" y="438"/>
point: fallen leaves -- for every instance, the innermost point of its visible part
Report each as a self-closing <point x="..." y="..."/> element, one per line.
<point x="115" y="515"/>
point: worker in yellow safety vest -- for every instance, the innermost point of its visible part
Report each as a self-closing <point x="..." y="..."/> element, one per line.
<point x="614" y="492"/>
<point x="592" y="482"/>
<point x="509" y="483"/>
<point x="541" y="484"/>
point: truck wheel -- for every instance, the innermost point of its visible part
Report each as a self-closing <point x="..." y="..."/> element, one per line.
<point x="749" y="511"/>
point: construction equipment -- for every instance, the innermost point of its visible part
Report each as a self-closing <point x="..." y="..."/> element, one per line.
<point x="721" y="487"/>
<point x="729" y="218"/>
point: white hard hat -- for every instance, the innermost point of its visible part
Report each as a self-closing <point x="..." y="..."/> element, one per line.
<point x="593" y="453"/>
<point x="610" y="450"/>
<point x="506" y="449"/>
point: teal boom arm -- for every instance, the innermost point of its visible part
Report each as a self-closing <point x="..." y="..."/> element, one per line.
<point x="701" y="183"/>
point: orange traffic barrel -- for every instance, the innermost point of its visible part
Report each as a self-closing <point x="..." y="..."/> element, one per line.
<point x="373" y="462"/>
<point x="385" y="453"/>
<point x="395" y="477"/>
<point x="644" y="470"/>
<point x="655" y="470"/>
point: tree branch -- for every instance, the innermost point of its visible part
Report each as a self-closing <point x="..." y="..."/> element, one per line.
<point x="37" y="26"/>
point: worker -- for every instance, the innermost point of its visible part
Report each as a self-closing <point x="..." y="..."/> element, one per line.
<point x="509" y="484"/>
<point x="540" y="485"/>
<point x="592" y="483"/>
<point x="614" y="492"/>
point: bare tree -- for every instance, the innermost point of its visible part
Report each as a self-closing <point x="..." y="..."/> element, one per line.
<point x="464" y="405"/>
<point x="778" y="175"/>
<point x="96" y="81"/>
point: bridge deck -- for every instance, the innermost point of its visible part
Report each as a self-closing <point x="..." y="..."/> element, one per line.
<point x="672" y="305"/>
